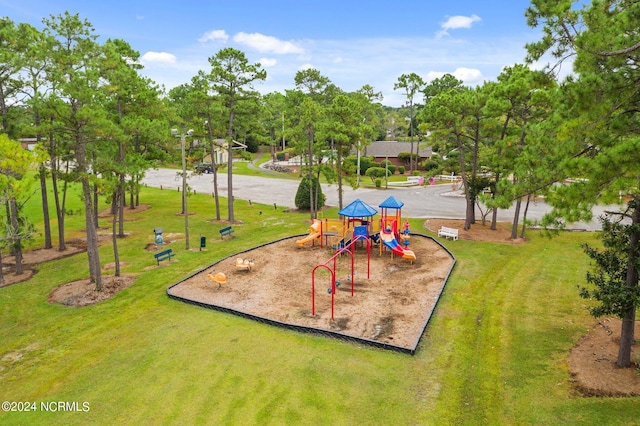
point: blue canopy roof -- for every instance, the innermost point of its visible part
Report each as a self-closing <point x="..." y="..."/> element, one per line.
<point x="391" y="203"/>
<point x="358" y="208"/>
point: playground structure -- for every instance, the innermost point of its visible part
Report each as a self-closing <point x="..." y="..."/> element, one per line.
<point x="358" y="225"/>
<point x="389" y="229"/>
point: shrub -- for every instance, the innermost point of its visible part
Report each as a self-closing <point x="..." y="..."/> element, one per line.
<point x="252" y="144"/>
<point x="365" y="163"/>
<point x="429" y="165"/>
<point x="285" y="155"/>
<point x="401" y="170"/>
<point x="245" y="155"/>
<point x="376" y="172"/>
<point x="389" y="166"/>
<point x="405" y="157"/>
<point x="302" y="200"/>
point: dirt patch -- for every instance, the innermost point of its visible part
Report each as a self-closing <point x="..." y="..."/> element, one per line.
<point x="30" y="261"/>
<point x="10" y="277"/>
<point x="593" y="362"/>
<point x="36" y="257"/>
<point x="477" y="232"/>
<point x="84" y="293"/>
<point x="390" y="306"/>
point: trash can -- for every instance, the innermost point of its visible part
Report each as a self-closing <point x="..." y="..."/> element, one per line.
<point x="203" y="242"/>
<point x="158" y="235"/>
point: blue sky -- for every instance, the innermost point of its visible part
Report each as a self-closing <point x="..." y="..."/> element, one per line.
<point x="353" y="43"/>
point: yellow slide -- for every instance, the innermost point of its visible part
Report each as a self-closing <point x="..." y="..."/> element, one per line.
<point x="308" y="238"/>
<point x="316" y="232"/>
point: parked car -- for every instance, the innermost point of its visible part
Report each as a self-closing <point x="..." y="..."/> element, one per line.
<point x="203" y="168"/>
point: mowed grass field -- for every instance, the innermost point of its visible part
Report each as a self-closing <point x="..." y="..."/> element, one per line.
<point x="495" y="351"/>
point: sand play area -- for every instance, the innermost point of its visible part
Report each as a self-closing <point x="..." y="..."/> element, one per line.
<point x="389" y="309"/>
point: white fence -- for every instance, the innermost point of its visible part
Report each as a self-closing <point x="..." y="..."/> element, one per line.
<point x="450" y="178"/>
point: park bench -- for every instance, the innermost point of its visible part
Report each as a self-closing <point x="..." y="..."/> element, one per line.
<point x="226" y="232"/>
<point x="163" y="255"/>
<point x="448" y="233"/>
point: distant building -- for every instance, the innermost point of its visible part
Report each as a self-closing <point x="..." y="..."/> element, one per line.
<point x="382" y="150"/>
<point x="28" y="143"/>
<point x="221" y="152"/>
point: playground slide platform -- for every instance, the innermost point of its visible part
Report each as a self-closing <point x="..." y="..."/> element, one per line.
<point x="308" y="238"/>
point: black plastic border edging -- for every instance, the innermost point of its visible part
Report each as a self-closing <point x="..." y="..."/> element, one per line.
<point x="446" y="280"/>
<point x="311" y="330"/>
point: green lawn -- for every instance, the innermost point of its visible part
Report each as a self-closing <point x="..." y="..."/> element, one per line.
<point x="494" y="353"/>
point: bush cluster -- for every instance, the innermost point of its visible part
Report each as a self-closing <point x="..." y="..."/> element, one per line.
<point x="303" y="197"/>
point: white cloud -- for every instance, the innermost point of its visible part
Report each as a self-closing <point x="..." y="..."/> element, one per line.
<point x="469" y="76"/>
<point x="432" y="75"/>
<point x="214" y="35"/>
<point x="458" y="21"/>
<point x="158" y="57"/>
<point x="263" y="43"/>
<point x="455" y="22"/>
<point x="268" y="62"/>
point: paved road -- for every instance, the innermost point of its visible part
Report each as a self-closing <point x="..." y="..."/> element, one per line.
<point x="419" y="202"/>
